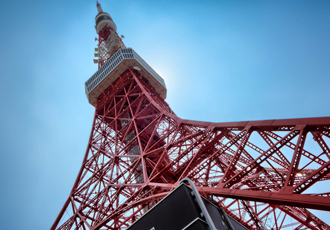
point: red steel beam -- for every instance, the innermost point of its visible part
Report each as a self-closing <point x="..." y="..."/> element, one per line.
<point x="277" y="198"/>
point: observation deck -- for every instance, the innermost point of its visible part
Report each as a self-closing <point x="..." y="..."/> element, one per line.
<point x="114" y="67"/>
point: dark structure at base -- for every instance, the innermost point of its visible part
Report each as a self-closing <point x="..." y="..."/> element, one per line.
<point x="181" y="210"/>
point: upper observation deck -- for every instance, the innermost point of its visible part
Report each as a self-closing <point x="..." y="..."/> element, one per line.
<point x="114" y="67"/>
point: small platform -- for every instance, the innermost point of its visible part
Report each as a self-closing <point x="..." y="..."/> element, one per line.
<point x="116" y="65"/>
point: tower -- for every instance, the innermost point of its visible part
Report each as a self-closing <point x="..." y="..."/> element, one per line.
<point x="139" y="150"/>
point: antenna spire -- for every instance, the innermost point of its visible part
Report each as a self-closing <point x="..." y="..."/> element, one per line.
<point x="99" y="8"/>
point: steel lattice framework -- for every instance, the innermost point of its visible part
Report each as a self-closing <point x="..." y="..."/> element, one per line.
<point x="139" y="150"/>
<point x="260" y="172"/>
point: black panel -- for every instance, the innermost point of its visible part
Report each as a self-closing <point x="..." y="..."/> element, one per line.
<point x="179" y="210"/>
<point x="217" y="216"/>
<point x="235" y="224"/>
<point x="221" y="219"/>
<point x="175" y="211"/>
<point x="197" y="225"/>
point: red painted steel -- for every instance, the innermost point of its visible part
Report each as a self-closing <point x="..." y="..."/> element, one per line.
<point x="264" y="174"/>
<point x="139" y="150"/>
<point x="104" y="35"/>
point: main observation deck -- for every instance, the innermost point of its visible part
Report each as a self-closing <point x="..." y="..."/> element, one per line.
<point x="114" y="67"/>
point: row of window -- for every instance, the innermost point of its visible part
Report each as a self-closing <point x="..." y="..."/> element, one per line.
<point x="101" y="18"/>
<point x="113" y="62"/>
<point x="104" y="74"/>
<point x="128" y="56"/>
<point x="119" y="52"/>
<point x="127" y="51"/>
<point x="103" y="67"/>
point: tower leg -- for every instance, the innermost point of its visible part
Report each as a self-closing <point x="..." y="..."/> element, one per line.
<point x="139" y="150"/>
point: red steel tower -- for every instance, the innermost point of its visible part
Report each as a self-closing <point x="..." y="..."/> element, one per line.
<point x="259" y="172"/>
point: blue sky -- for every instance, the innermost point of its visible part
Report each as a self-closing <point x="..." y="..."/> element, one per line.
<point x="221" y="61"/>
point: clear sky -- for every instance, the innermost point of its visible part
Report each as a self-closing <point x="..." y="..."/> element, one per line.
<point x="221" y="61"/>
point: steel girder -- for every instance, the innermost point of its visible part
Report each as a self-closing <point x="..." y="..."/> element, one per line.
<point x="260" y="172"/>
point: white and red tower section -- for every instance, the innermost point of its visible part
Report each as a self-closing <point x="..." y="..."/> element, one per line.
<point x="259" y="172"/>
<point x="108" y="42"/>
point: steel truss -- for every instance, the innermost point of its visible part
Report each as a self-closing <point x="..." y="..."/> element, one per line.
<point x="109" y="43"/>
<point x="257" y="171"/>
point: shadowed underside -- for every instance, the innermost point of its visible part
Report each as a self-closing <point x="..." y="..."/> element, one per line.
<point x="259" y="172"/>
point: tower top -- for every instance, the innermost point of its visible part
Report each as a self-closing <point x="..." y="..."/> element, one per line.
<point x="99" y="8"/>
<point x="113" y="59"/>
<point x="103" y="19"/>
